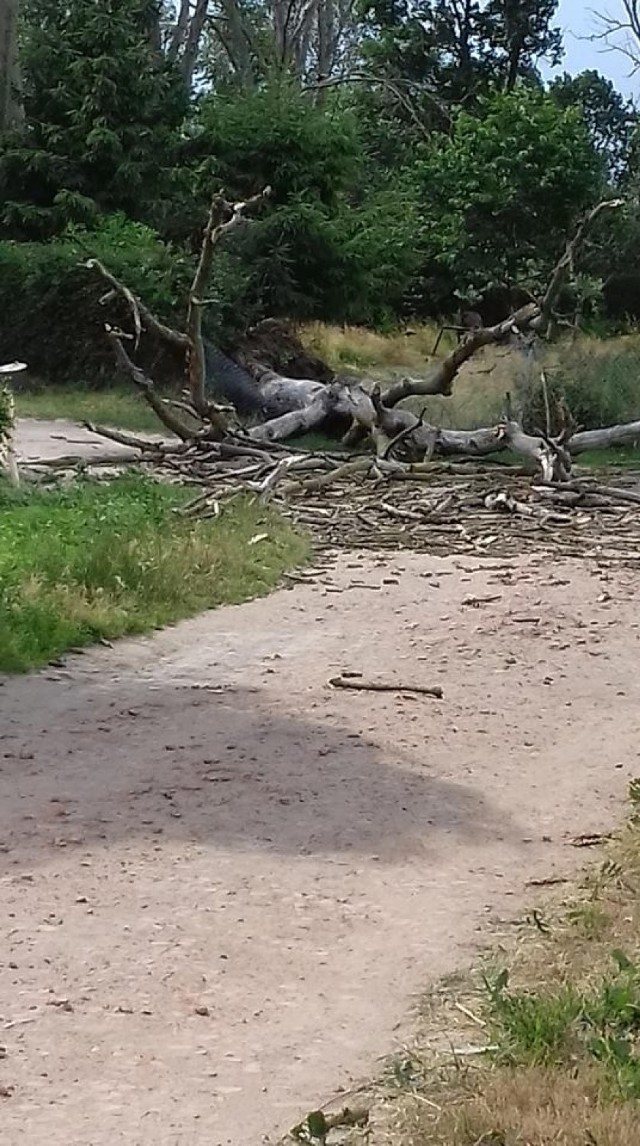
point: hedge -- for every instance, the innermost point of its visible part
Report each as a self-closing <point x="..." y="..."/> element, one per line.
<point x="51" y="314"/>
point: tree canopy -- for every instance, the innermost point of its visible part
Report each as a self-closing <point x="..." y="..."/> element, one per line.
<point x="415" y="153"/>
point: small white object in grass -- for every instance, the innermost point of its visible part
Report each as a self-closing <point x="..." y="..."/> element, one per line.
<point x="13" y="367"/>
<point x="258" y="537"/>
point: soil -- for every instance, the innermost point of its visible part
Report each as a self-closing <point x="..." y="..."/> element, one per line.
<point x="225" y="883"/>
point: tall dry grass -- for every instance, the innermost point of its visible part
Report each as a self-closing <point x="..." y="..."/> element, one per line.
<point x="600" y="378"/>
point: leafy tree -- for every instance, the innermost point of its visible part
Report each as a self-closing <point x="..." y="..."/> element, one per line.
<point x="502" y="191"/>
<point x="274" y="137"/>
<point x="460" y="48"/>
<point x="521" y="33"/>
<point x="277" y="136"/>
<point x="102" y="109"/>
<point x="337" y="239"/>
<point x="611" y="120"/>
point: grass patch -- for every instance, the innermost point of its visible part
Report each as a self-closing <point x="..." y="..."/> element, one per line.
<point x="124" y="409"/>
<point x="105" y="560"/>
<point x="617" y="458"/>
<point x="559" y="1014"/>
<point x="356" y="348"/>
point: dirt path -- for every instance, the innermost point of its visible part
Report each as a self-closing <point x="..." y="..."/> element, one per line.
<point x="224" y="882"/>
<point x="37" y="439"/>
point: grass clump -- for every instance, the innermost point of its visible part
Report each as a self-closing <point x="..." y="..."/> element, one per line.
<point x="104" y="560"/>
<point x="356" y="348"/>
<point x="566" y="1024"/>
<point x="558" y="1029"/>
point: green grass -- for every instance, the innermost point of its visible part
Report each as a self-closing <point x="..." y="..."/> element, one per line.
<point x="555" y="1025"/>
<point x="124" y="409"/>
<point x="618" y="457"/>
<point x="104" y="560"/>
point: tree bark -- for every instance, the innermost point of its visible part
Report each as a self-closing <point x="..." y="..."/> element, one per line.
<point x="11" y="111"/>
<point x="192" y="43"/>
<point x="627" y="434"/>
<point x="332" y="400"/>
<point x="180" y="31"/>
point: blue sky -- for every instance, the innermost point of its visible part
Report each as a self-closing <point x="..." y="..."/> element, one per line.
<point x="578" y="19"/>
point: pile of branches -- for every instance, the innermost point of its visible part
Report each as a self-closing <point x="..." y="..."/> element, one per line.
<point x="397" y="490"/>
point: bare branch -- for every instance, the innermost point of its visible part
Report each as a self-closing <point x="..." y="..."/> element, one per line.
<point x="394" y="87"/>
<point x="564" y="266"/>
<point x="440" y="381"/>
<point x="168" y="419"/>
<point x="142" y="316"/>
<point x="214" y="232"/>
<point x="627" y="26"/>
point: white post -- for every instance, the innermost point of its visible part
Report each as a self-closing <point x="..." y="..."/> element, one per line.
<point x="8" y="456"/>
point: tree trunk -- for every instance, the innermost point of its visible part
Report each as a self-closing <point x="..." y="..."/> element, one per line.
<point x="627" y="434"/>
<point x="334" y="400"/>
<point x="192" y="45"/>
<point x="155" y="28"/>
<point x="180" y="30"/>
<point x="11" y="112"/>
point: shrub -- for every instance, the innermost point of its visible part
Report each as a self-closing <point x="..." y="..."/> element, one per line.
<point x="52" y="317"/>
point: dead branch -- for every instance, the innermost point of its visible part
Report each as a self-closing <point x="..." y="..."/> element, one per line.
<point x="565" y="265"/>
<point x="543" y="453"/>
<point x="142" y="316"/>
<point x="214" y="232"/>
<point x="440" y="380"/>
<point x="626" y="434"/>
<point x="586" y="488"/>
<point x="131" y="441"/>
<point x="385" y="686"/>
<point x="533" y="316"/>
<point x="167" y="417"/>
<point x="191" y="341"/>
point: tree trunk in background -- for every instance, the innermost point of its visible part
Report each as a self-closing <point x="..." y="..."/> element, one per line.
<point x="192" y="45"/>
<point x="185" y="39"/>
<point x="155" y="27"/>
<point x="10" y="104"/>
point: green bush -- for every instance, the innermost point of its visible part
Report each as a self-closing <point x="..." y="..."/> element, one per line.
<point x="103" y="119"/>
<point x="337" y="241"/>
<point x="52" y="316"/>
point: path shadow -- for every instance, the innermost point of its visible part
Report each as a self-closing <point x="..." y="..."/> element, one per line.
<point x="122" y="760"/>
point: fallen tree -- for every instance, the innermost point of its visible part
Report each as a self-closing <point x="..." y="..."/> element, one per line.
<point x="284" y="407"/>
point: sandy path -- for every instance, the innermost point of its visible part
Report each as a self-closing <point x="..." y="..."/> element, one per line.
<point x="37" y="439"/>
<point x="291" y="861"/>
